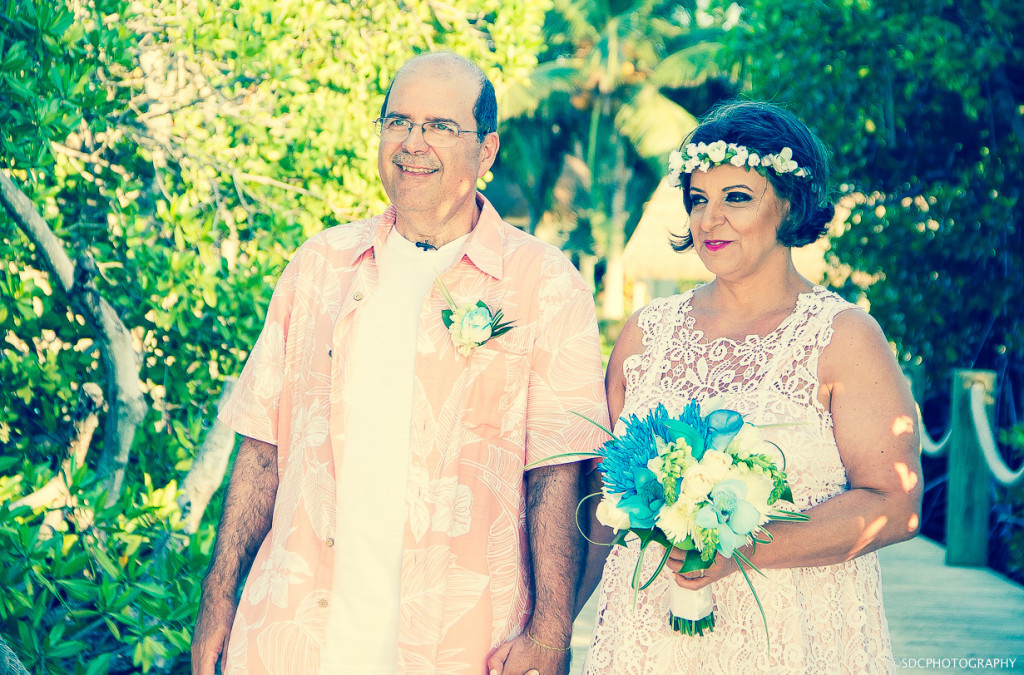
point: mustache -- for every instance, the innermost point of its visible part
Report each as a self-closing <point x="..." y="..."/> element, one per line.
<point x="404" y="158"/>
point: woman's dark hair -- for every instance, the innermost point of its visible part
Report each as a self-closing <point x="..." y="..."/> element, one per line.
<point x="766" y="128"/>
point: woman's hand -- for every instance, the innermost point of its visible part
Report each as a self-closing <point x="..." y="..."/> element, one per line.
<point x="697" y="579"/>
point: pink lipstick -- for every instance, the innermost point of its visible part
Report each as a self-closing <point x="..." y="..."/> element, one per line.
<point x="716" y="244"/>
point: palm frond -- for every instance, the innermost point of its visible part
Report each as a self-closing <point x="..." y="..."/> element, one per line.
<point x="522" y="97"/>
<point x="688" y="67"/>
<point x="654" y="124"/>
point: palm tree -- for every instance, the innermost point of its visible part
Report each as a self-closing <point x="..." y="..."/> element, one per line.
<point x="605" y="81"/>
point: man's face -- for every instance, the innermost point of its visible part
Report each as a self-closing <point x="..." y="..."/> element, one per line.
<point x="431" y="186"/>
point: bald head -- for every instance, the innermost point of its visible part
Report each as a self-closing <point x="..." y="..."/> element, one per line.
<point x="447" y="64"/>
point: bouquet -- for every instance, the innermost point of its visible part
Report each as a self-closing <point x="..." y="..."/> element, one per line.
<point x="700" y="483"/>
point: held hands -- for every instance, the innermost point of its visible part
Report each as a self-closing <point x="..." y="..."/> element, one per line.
<point x="697" y="579"/>
<point x="529" y="655"/>
<point x="210" y="637"/>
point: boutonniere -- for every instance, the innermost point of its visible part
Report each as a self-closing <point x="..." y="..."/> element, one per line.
<point x="471" y="325"/>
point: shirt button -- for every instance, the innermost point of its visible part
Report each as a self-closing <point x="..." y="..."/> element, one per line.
<point x="357" y="296"/>
<point x="322" y="603"/>
<point x="330" y="541"/>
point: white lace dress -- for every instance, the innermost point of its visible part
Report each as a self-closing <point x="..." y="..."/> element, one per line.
<point x="822" y="619"/>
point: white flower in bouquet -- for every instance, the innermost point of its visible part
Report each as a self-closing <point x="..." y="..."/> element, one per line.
<point x="677" y="520"/>
<point x="697" y="482"/>
<point x="610" y="515"/>
<point x="749" y="441"/>
<point x="717" y="464"/>
<point x="759" y="490"/>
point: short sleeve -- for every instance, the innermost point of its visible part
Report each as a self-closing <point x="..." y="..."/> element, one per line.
<point x="255" y="405"/>
<point x="567" y="375"/>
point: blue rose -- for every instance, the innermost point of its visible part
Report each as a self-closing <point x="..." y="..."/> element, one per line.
<point x="476" y="325"/>
<point x="723" y="425"/>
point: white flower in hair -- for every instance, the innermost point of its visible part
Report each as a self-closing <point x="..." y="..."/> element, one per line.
<point x="740" y="158"/>
<point x="705" y="156"/>
<point x="675" y="167"/>
<point x="675" y="160"/>
<point x="783" y="161"/>
<point x="716" y="152"/>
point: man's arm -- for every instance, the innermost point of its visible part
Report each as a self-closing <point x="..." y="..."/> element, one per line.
<point x="556" y="549"/>
<point x="600" y="537"/>
<point x="552" y="494"/>
<point x="245" y="522"/>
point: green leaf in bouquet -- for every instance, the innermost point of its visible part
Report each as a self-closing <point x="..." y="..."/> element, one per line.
<point x="693" y="561"/>
<point x="647" y="537"/>
<point x="562" y="455"/>
<point x="446" y="317"/>
<point x="740" y="560"/>
<point x="621" y="539"/>
<point x="596" y="424"/>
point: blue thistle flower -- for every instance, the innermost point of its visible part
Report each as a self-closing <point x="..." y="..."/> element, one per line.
<point x="637" y="445"/>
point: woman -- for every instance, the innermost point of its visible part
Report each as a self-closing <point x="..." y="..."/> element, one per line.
<point x="781" y="351"/>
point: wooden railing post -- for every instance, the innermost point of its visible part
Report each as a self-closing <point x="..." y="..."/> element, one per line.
<point x="969" y="483"/>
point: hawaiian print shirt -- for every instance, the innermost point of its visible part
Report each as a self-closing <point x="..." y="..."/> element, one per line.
<point x="477" y="420"/>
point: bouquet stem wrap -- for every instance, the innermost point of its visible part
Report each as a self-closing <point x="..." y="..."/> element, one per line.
<point x="690" y="611"/>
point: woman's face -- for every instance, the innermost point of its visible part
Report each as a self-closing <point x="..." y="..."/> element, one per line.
<point x="734" y="217"/>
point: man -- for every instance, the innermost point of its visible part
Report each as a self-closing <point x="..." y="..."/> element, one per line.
<point x="379" y="495"/>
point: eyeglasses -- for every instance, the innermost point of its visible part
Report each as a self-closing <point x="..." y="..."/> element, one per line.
<point x="437" y="134"/>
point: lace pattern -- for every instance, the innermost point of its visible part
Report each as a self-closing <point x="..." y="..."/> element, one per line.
<point x="822" y="619"/>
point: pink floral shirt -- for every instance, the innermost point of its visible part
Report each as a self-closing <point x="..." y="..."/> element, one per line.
<point x="477" y="421"/>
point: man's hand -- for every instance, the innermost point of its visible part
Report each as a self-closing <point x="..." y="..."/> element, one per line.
<point x="522" y="656"/>
<point x="210" y="637"/>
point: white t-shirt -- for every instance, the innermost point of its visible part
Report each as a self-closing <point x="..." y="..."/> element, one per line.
<point x="362" y="633"/>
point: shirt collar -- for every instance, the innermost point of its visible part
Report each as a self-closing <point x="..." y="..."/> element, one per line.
<point x="483" y="247"/>
<point x="485" y="243"/>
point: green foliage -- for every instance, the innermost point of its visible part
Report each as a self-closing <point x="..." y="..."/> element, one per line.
<point x="921" y="104"/>
<point x="101" y="593"/>
<point x="1008" y="513"/>
<point x="49" y="58"/>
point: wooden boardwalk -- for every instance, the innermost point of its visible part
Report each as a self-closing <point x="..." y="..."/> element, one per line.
<point x="942" y="619"/>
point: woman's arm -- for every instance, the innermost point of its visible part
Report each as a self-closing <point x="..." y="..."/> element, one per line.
<point x="630" y="342"/>
<point x="875" y="423"/>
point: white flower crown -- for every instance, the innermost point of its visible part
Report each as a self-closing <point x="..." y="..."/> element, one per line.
<point x="703" y="156"/>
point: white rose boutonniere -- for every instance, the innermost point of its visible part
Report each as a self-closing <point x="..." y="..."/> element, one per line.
<point x="471" y="325"/>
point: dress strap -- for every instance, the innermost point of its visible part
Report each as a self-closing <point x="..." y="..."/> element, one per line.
<point x="793" y="369"/>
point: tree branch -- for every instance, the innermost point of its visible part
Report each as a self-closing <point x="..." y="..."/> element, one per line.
<point x="56" y="492"/>
<point x="127" y="404"/>
<point x="9" y="662"/>
<point x="207" y="472"/>
<point x="205" y="476"/>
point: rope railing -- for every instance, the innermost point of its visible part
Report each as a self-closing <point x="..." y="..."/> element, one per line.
<point x="973" y="461"/>
<point x="928" y="446"/>
<point x="987" y="441"/>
